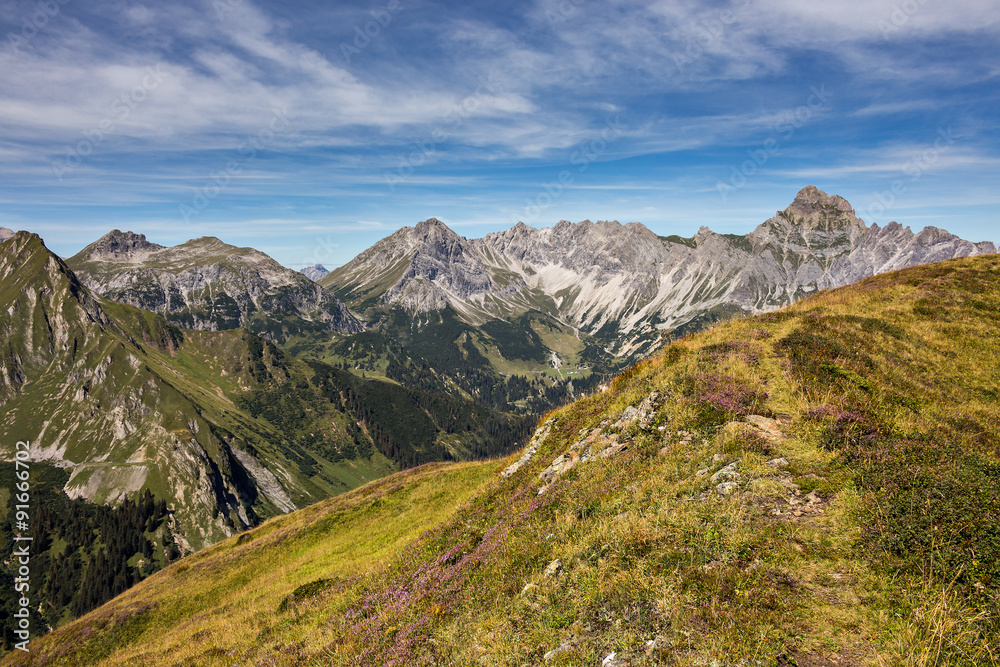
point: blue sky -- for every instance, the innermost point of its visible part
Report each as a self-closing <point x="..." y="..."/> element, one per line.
<point x="310" y="130"/>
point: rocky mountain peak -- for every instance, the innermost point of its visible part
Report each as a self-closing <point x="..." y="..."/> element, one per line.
<point x="816" y="218"/>
<point x="118" y="244"/>
<point x="315" y="273"/>
<point x="5" y="233"/>
<point x="210" y="243"/>
<point x="209" y="285"/>
<point x="434" y="238"/>
<point x="26" y="243"/>
<point x="519" y="233"/>
<point x="432" y="227"/>
<point x="565" y="225"/>
<point x="811" y="199"/>
<point x="640" y="229"/>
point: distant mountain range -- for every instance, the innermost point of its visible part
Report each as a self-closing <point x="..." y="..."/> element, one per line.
<point x="623" y="284"/>
<point x="571" y="304"/>
<point x="522" y="319"/>
<point x="208" y="285"/>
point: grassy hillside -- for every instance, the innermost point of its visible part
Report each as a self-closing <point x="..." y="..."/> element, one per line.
<point x="816" y="486"/>
<point x="327" y="547"/>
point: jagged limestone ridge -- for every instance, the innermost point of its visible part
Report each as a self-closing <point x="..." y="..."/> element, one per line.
<point x="597" y="276"/>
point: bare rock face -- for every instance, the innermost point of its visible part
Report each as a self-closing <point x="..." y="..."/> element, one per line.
<point x="209" y="285"/>
<point x="606" y="277"/>
<point x="5" y="234"/>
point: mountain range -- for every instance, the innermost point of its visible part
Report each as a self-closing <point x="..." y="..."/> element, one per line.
<point x="623" y="284"/>
<point x="559" y="307"/>
<point x="222" y="427"/>
<point x="569" y="305"/>
<point x="315" y="272"/>
<point x="208" y="285"/>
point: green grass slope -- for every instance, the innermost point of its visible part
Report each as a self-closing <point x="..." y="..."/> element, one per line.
<point x="816" y="486"/>
<point x="127" y="401"/>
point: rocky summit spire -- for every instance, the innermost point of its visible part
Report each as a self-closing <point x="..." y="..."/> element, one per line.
<point x="814" y="211"/>
<point x="432" y="228"/>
